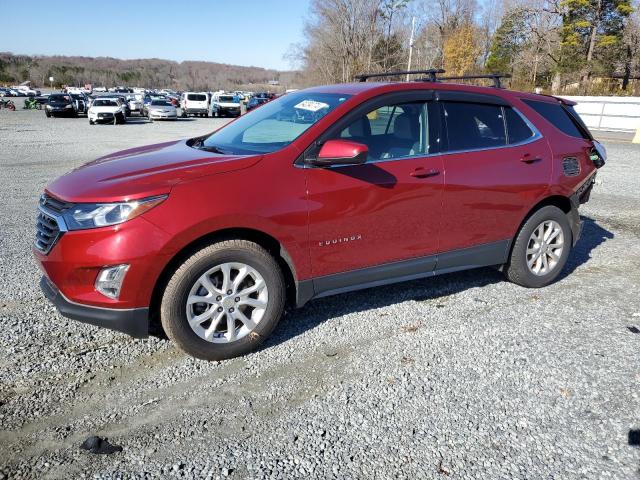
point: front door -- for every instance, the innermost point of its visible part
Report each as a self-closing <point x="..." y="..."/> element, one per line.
<point x="387" y="209"/>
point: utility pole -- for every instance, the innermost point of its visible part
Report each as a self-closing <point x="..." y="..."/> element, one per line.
<point x="413" y="26"/>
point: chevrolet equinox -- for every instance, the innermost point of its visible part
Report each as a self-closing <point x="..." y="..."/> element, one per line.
<point x="319" y="192"/>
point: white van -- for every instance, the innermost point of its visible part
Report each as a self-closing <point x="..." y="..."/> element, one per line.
<point x="225" y="104"/>
<point x="194" y="103"/>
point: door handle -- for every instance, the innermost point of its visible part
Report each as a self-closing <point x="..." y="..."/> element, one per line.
<point x="422" y="173"/>
<point x="528" y="159"/>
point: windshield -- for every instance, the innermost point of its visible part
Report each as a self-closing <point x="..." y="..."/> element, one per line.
<point x="105" y="103"/>
<point x="161" y="103"/>
<point x="59" y="98"/>
<point x="197" y="97"/>
<point x="274" y="125"/>
<point x="225" y="99"/>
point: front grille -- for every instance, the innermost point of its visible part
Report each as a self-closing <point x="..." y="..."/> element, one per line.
<point x="47" y="232"/>
<point x="571" y="166"/>
<point x="105" y="115"/>
<point x="53" y="204"/>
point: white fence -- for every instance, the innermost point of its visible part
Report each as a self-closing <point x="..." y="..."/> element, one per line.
<point x="618" y="114"/>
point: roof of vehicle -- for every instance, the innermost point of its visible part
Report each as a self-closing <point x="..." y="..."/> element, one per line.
<point x="356" y="88"/>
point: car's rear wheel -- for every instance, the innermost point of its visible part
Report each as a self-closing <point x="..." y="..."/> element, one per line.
<point x="541" y="248"/>
<point x="224" y="300"/>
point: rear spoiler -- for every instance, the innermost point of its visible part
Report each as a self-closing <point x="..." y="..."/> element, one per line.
<point x="565" y="101"/>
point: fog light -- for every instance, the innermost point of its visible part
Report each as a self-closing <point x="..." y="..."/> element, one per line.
<point x="110" y="279"/>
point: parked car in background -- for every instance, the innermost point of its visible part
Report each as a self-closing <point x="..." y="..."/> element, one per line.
<point x="147" y="99"/>
<point x="26" y="91"/>
<point x="107" y="110"/>
<point x="122" y="100"/>
<point x="100" y="89"/>
<point x="225" y="105"/>
<point x="195" y="103"/>
<point x="81" y="102"/>
<point x="7" y="92"/>
<point x="60" y="104"/>
<point x="256" y="102"/>
<point x="161" y="110"/>
<point x="135" y="103"/>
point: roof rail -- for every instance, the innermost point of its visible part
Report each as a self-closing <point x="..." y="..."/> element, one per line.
<point x="431" y="74"/>
<point x="492" y="76"/>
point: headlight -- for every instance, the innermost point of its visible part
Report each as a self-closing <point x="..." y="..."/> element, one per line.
<point x="68" y="106"/>
<point x="94" y="215"/>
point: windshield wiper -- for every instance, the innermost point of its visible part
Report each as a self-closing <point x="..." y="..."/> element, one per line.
<point x="211" y="149"/>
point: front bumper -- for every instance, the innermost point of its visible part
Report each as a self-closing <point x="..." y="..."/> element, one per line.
<point x="229" y="111"/>
<point x="163" y="116"/>
<point x="195" y="110"/>
<point x="132" y="321"/>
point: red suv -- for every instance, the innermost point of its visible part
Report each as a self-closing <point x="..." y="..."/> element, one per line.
<point x="319" y="192"/>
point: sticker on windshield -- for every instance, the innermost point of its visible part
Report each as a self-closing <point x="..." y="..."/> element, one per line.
<point x="311" y="105"/>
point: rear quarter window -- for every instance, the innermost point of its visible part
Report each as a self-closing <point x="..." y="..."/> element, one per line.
<point x="517" y="129"/>
<point x="555" y="114"/>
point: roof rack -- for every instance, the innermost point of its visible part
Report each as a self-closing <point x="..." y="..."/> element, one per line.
<point x="491" y="76"/>
<point x="431" y="74"/>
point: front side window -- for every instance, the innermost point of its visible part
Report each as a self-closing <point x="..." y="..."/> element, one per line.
<point x="473" y="126"/>
<point x="392" y="131"/>
<point x="273" y="126"/>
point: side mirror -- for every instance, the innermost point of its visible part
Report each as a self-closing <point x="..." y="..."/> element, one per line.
<point x="341" y="152"/>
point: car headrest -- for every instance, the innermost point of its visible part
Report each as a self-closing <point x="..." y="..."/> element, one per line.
<point x="406" y="127"/>
<point x="360" y="128"/>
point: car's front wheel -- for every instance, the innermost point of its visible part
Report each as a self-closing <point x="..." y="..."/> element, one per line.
<point x="541" y="248"/>
<point x="224" y="300"/>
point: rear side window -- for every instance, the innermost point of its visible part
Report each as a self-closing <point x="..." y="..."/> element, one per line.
<point x="517" y="129"/>
<point x="558" y="117"/>
<point x="474" y="125"/>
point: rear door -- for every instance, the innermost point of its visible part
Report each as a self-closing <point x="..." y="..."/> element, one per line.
<point x="389" y="208"/>
<point x="496" y="167"/>
<point x="572" y="144"/>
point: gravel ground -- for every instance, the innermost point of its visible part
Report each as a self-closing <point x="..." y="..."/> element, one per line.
<point x="460" y="376"/>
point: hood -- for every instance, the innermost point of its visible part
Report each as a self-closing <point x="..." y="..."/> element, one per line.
<point x="161" y="108"/>
<point x="143" y="172"/>
<point x="227" y="104"/>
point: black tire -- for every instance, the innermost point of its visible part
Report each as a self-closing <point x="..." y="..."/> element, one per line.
<point x="91" y="122"/>
<point x="516" y="270"/>
<point x="47" y="113"/>
<point x="172" y="309"/>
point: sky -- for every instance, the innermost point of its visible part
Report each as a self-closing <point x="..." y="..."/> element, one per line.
<point x="240" y="32"/>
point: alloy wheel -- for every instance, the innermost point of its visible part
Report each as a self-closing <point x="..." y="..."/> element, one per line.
<point x="227" y="302"/>
<point x="545" y="247"/>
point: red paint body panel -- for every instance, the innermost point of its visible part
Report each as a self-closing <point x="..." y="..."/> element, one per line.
<point x="392" y="215"/>
<point x="328" y="220"/>
<point x="489" y="192"/>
